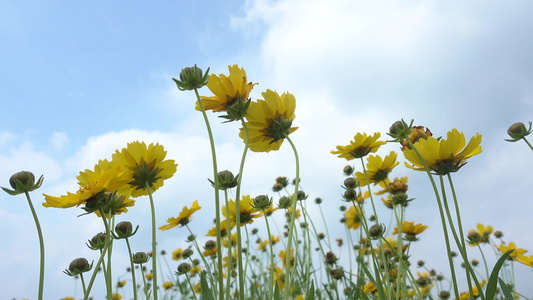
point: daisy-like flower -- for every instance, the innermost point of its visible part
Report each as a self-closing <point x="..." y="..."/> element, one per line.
<point x="417" y="133"/>
<point x="269" y="121"/>
<point x="378" y="169"/>
<point x="475" y="291"/>
<point x="183" y="218"/>
<point x="515" y="254"/>
<point x="411" y="230"/>
<point x="361" y="146"/>
<point x="146" y="166"/>
<point x="398" y="185"/>
<point x="283" y="255"/>
<point x="104" y="187"/>
<point x="445" y="155"/>
<point x="247" y="212"/>
<point x="479" y="236"/>
<point x="177" y="254"/>
<point x="353" y="216"/>
<point x="223" y="229"/>
<point x="167" y="285"/>
<point x="525" y="260"/>
<point x="227" y="89"/>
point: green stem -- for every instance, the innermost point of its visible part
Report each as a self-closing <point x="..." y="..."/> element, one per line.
<point x="41" y="246"/>
<point x="442" y="218"/>
<point x="217" y="200"/>
<point x="272" y="265"/>
<point x="154" y="241"/>
<point x="527" y="142"/>
<point x="132" y="270"/>
<point x="83" y="283"/>
<point x="288" y="278"/>
<point x="369" y="192"/>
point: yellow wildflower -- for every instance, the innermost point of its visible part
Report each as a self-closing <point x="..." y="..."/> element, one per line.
<point x="378" y="169"/>
<point x="183" y="218"/>
<point x="361" y="146"/>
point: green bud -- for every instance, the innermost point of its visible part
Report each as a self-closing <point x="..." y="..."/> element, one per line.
<point x="78" y="266"/>
<point x="124" y="230"/>
<point x="283" y="181"/>
<point x="350" y="183"/>
<point x="444" y="295"/>
<point x="262" y="202"/>
<point x="318" y="200"/>
<point x="183" y="268"/>
<point x="192" y="78"/>
<point x="210" y="245"/>
<point x="348" y="170"/>
<point x="285" y="202"/>
<point x="226" y="180"/>
<point x="140" y="258"/>
<point x="23" y="182"/>
<point x="518" y="131"/>
<point x="376" y="231"/>
<point x="400" y="130"/>
<point x="97" y="242"/>
<point x="187" y="253"/>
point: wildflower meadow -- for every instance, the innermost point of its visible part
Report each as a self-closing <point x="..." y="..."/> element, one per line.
<point x="280" y="243"/>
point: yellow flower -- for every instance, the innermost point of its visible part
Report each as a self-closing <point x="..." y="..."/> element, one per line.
<point x="398" y="185"/>
<point x="269" y="211"/>
<point x="369" y="288"/>
<point x="68" y="298"/>
<point x="378" y="169"/>
<point x="177" y="254"/>
<point x="246" y="209"/>
<point x="360" y="146"/>
<point x="146" y="165"/>
<point x="183" y="218"/>
<point x="227" y="90"/>
<point x="481" y="235"/>
<point x="353" y="217"/>
<point x="300" y="297"/>
<point x="223" y="229"/>
<point x="445" y="155"/>
<point x="149" y="276"/>
<point x="167" y="285"/>
<point x="121" y="284"/>
<point x="198" y="288"/>
<point x="283" y="255"/>
<point x="528" y="261"/>
<point x="417" y="133"/>
<point x="411" y="230"/>
<point x="269" y="121"/>
<point x="475" y="291"/>
<point x="263" y="245"/>
<point x="514" y="255"/>
<point x="195" y="270"/>
<point x="116" y="296"/>
<point x="95" y="189"/>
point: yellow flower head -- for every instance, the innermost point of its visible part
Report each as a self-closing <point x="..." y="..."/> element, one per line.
<point x="146" y="166"/>
<point x="445" y="155"/>
<point x="183" y="218"/>
<point x="411" y="230"/>
<point x="398" y="185"/>
<point x="515" y="254"/>
<point x="353" y="216"/>
<point x="177" y="254"/>
<point x="247" y="212"/>
<point x="475" y="291"/>
<point x="223" y="229"/>
<point x="116" y="296"/>
<point x="121" y="284"/>
<point x="167" y="285"/>
<point x="227" y="90"/>
<point x="480" y="235"/>
<point x="417" y="133"/>
<point x="269" y="121"/>
<point x="96" y="186"/>
<point x="378" y="169"/>
<point x="283" y="255"/>
<point x="361" y="146"/>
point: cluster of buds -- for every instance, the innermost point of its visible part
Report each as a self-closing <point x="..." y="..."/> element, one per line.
<point x="350" y="186"/>
<point x="281" y="183"/>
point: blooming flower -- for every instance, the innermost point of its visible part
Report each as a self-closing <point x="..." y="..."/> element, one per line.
<point x="398" y="185"/>
<point x="283" y="255"/>
<point x="96" y="189"/>
<point x="177" y="254"/>
<point x="515" y="254"/>
<point x="411" y="230"/>
<point x="445" y="155"/>
<point x="146" y="166"/>
<point x="183" y="218"/>
<point x="481" y="235"/>
<point x="378" y="169"/>
<point x="247" y="212"/>
<point x="475" y="291"/>
<point x="269" y="121"/>
<point x="361" y="145"/>
<point x="167" y="285"/>
<point x="353" y="217"/>
<point x="227" y="90"/>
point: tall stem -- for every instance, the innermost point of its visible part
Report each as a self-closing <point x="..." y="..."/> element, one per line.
<point x="154" y="242"/>
<point x="132" y="267"/>
<point x="41" y="246"/>
<point x="288" y="283"/>
<point x="217" y="199"/>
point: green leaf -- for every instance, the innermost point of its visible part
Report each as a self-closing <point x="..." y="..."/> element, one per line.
<point x="276" y="292"/>
<point x="493" y="280"/>
<point x="311" y="294"/>
<point x="207" y="294"/>
<point x="506" y="292"/>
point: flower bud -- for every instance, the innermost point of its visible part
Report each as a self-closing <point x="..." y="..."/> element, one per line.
<point x="376" y="231"/>
<point x="124" y="230"/>
<point x="78" y="266"/>
<point x="473" y="237"/>
<point x="518" y="131"/>
<point x="97" y="242"/>
<point x="350" y="183"/>
<point x="226" y="180"/>
<point x="331" y="258"/>
<point x="420" y="263"/>
<point x="191" y="238"/>
<point x="210" y="245"/>
<point x="301" y="195"/>
<point x="337" y="274"/>
<point x="283" y="181"/>
<point x="187" y="253"/>
<point x="140" y="258"/>
<point x="22" y="182"/>
<point x="348" y="170"/>
<point x="277" y="187"/>
<point x="183" y="268"/>
<point x="350" y="195"/>
<point x="284" y="202"/>
<point x="318" y="200"/>
<point x="400" y="130"/>
<point x="498" y="234"/>
<point x="444" y="295"/>
<point x="422" y="281"/>
<point x="475" y="262"/>
<point x="191" y="78"/>
<point x="262" y="202"/>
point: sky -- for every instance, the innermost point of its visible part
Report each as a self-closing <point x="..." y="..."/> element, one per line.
<point x="81" y="80"/>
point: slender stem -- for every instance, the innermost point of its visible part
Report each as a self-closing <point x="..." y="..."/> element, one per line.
<point x="217" y="199"/>
<point x="83" y="283"/>
<point x="41" y="246"/>
<point x="369" y="192"/>
<point x="442" y="218"/>
<point x="107" y="244"/>
<point x="154" y="241"/>
<point x="192" y="287"/>
<point x="527" y="142"/>
<point x="288" y="278"/>
<point x="272" y="265"/>
<point x="132" y="267"/>
<point x="237" y="209"/>
<point x="230" y="245"/>
<point x="144" y="282"/>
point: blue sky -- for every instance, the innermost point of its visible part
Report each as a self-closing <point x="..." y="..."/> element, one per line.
<point x="82" y="79"/>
